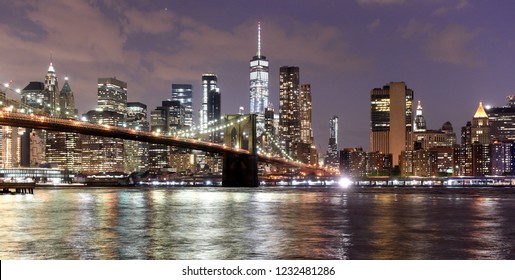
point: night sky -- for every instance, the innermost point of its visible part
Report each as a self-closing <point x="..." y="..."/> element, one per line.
<point x="452" y="53"/>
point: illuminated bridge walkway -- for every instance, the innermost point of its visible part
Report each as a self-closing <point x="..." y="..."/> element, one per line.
<point x="232" y="156"/>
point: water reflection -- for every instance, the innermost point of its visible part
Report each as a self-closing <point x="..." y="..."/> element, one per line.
<point x="286" y="223"/>
<point x="486" y="230"/>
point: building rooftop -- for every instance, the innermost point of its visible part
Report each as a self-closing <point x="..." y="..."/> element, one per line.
<point x="35" y="86"/>
<point x="480" y="112"/>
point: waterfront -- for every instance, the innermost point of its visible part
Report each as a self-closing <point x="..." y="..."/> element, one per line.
<point x="262" y="223"/>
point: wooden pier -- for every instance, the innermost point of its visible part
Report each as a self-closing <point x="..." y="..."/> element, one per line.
<point x="18" y="187"/>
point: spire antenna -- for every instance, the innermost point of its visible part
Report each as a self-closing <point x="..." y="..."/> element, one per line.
<point x="259" y="39"/>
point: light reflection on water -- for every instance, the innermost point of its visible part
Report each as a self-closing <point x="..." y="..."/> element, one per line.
<point x="264" y="223"/>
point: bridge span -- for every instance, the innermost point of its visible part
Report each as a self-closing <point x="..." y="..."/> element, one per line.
<point x="9" y="118"/>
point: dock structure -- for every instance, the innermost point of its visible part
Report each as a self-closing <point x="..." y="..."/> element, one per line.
<point x="18" y="187"/>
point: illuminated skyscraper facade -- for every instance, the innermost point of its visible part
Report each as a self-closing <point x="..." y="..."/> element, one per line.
<point x="136" y="152"/>
<point x="165" y="119"/>
<point x="32" y="95"/>
<point x="103" y="154"/>
<point x="209" y="83"/>
<point x="51" y="92"/>
<point x="112" y="95"/>
<point x="391" y="119"/>
<point x="307" y="151"/>
<point x="259" y="85"/>
<point x="289" y="109"/>
<point x="10" y="142"/>
<point x="306" y="107"/>
<point x="481" y="146"/>
<point x="420" y="122"/>
<point x="333" y="157"/>
<point x="184" y="94"/>
<point x="214" y="112"/>
<point x="480" y="130"/>
<point x="502" y="120"/>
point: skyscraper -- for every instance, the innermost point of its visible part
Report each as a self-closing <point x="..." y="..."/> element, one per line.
<point x="420" y="122"/>
<point x="503" y="156"/>
<point x="480" y="130"/>
<point x="289" y="109"/>
<point x="103" y="154"/>
<point x="112" y="95"/>
<point x="332" y="158"/>
<point x="306" y="152"/>
<point x="51" y="92"/>
<point x="32" y="95"/>
<point x="136" y="152"/>
<point x="184" y="94"/>
<point x="502" y="120"/>
<point x="259" y="85"/>
<point x="466" y="133"/>
<point x="10" y="147"/>
<point x="67" y="102"/>
<point x="481" y="148"/>
<point x="391" y="109"/>
<point x="165" y="119"/>
<point x="214" y="112"/>
<point x="306" y="107"/>
<point x="209" y="83"/>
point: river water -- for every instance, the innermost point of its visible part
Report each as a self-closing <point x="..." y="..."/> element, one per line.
<point x="262" y="223"/>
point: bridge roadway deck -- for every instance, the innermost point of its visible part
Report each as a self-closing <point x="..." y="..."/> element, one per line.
<point x="64" y="125"/>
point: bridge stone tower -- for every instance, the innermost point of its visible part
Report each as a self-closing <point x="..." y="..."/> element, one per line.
<point x="240" y="170"/>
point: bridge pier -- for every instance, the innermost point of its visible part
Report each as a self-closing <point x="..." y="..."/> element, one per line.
<point x="240" y="171"/>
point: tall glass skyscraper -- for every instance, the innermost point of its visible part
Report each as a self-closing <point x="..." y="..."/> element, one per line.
<point x="259" y="85"/>
<point x="214" y="112"/>
<point x="136" y="153"/>
<point x="289" y="110"/>
<point x="112" y="95"/>
<point x="209" y="83"/>
<point x="306" y="107"/>
<point x="333" y="157"/>
<point x="502" y="120"/>
<point x="184" y="94"/>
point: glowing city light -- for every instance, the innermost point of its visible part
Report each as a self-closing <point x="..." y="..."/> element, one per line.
<point x="345" y="182"/>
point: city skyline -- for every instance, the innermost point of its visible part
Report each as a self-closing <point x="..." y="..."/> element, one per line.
<point x="463" y="46"/>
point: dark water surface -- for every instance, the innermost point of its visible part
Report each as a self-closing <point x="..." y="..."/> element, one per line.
<point x="264" y="223"/>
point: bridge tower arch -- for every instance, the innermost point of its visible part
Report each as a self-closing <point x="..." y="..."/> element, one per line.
<point x="240" y="170"/>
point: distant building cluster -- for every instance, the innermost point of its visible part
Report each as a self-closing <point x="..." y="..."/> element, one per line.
<point x="287" y="134"/>
<point x="408" y="148"/>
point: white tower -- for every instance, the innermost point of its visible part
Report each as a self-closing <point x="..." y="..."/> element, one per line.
<point x="259" y="85"/>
